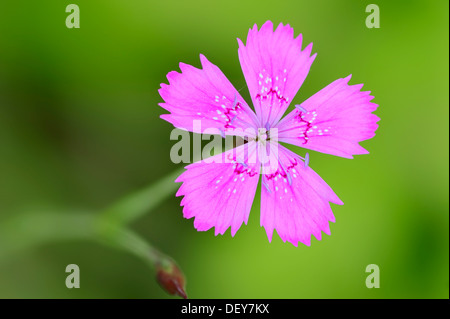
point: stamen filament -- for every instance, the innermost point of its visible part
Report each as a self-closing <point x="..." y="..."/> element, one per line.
<point x="266" y="186"/>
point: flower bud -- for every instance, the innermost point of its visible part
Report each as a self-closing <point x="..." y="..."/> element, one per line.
<point x="171" y="279"/>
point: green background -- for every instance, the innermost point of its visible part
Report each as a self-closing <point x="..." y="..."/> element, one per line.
<point x="80" y="128"/>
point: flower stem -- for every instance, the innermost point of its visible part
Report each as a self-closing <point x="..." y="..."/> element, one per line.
<point x="138" y="204"/>
<point x="107" y="227"/>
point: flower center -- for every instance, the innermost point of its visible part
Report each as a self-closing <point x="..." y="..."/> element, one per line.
<point x="263" y="135"/>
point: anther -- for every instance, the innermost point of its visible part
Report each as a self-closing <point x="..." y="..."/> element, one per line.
<point x="301" y="108"/>
<point x="306" y="160"/>
<point x="241" y="162"/>
<point x="289" y="178"/>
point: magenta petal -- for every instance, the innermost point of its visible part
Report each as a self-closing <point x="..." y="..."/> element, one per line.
<point x="204" y="95"/>
<point x="295" y="201"/>
<point x="274" y="67"/>
<point x="219" y="191"/>
<point x="336" y="119"/>
<point x="296" y="209"/>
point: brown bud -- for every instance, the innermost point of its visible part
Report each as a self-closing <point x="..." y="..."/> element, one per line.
<point x="171" y="279"/>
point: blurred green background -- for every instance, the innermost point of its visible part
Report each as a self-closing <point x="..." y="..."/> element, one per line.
<point x="80" y="128"/>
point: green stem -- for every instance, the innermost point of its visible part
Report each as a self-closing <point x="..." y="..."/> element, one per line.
<point x="35" y="229"/>
<point x="120" y="237"/>
<point x="138" y="204"/>
<point x="108" y="227"/>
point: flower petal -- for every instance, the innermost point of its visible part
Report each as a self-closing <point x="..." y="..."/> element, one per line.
<point x="274" y="67"/>
<point x="296" y="201"/>
<point x="219" y="191"/>
<point x="332" y="121"/>
<point x="205" y="95"/>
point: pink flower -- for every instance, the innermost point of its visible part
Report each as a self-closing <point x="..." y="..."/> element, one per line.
<point x="294" y="199"/>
